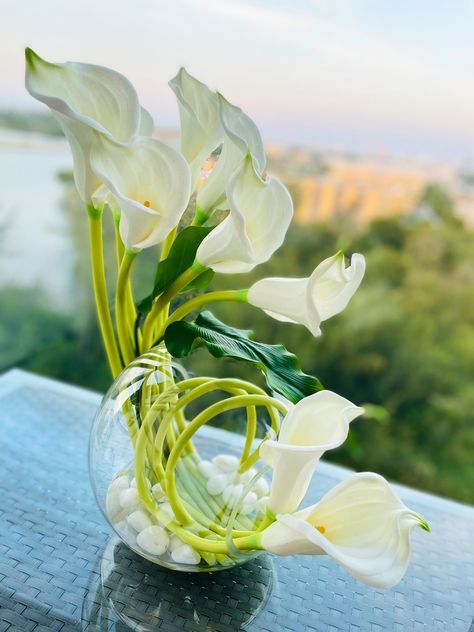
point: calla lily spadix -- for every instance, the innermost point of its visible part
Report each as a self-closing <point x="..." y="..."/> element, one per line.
<point x="315" y="424"/>
<point x="88" y="101"/>
<point x="260" y="212"/>
<point x="149" y="182"/>
<point x="201" y="128"/>
<point x="241" y="135"/>
<point x="360" y="523"/>
<point x="312" y="300"/>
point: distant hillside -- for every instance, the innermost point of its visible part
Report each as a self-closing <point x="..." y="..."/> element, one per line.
<point x="27" y="121"/>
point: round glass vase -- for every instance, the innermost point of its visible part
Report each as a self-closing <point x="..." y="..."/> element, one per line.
<point x="178" y="492"/>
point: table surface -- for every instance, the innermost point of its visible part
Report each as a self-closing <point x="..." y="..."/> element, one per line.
<point x="53" y="540"/>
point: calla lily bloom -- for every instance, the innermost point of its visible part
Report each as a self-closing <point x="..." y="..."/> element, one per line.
<point x="312" y="300"/>
<point x="360" y="523"/>
<point x="315" y="424"/>
<point x="88" y="101"/>
<point x="201" y="128"/>
<point x="241" y="135"/>
<point x="150" y="183"/>
<point x="259" y="216"/>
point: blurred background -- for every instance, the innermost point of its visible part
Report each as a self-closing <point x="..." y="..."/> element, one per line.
<point x="367" y="111"/>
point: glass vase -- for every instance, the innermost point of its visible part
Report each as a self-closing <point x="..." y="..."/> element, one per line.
<point x="161" y="476"/>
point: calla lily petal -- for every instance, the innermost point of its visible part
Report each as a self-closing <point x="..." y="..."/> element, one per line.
<point x="315" y="424"/>
<point x="87" y="100"/>
<point x="201" y="128"/>
<point x="361" y="523"/>
<point x="286" y="300"/>
<point x="147" y="125"/>
<point x="332" y="285"/>
<point x="259" y="216"/>
<point x="241" y="135"/>
<point x="312" y="300"/>
<point x="151" y="183"/>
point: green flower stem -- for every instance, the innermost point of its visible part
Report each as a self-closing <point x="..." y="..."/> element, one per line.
<point x="212" y="511"/>
<point x="205" y="385"/>
<point x="130" y="310"/>
<point x="199" y="510"/>
<point x="237" y="401"/>
<point x="250" y="435"/>
<point x="199" y="301"/>
<point x="100" y="290"/>
<point x="128" y="352"/>
<point x="162" y="303"/>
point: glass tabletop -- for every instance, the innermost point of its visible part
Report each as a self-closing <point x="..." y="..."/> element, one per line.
<point x="61" y="569"/>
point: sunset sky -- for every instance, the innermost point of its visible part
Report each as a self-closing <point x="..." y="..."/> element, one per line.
<point x="365" y="75"/>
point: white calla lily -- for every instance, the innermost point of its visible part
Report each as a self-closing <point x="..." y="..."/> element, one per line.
<point x="315" y="424"/>
<point x="259" y="216"/>
<point x="241" y="135"/>
<point x="314" y="299"/>
<point x="88" y="100"/>
<point x="360" y="523"/>
<point x="150" y="182"/>
<point x="201" y="128"/>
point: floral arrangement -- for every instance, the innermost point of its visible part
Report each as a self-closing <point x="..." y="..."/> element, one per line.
<point x="170" y="504"/>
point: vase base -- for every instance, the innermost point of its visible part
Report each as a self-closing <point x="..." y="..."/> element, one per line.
<point x="143" y="596"/>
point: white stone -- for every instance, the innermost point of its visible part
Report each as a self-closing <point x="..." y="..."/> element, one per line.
<point x="139" y="520"/>
<point x="119" y="484"/>
<point x="184" y="554"/>
<point x="133" y="483"/>
<point x="125" y="532"/>
<point x="166" y="507"/>
<point x="129" y="499"/>
<point x="232" y="494"/>
<point x="207" y="469"/>
<point x="261" y="487"/>
<point x="153" y="540"/>
<point x="114" y="509"/>
<point x="175" y="541"/>
<point x="247" y="476"/>
<point x="217" y="484"/>
<point x="226" y="462"/>
<point x="251" y="499"/>
<point x="158" y="492"/>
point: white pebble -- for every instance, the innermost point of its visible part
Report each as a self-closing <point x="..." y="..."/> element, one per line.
<point x="125" y="532"/>
<point x="217" y="484"/>
<point x="261" y="487"/>
<point x="153" y="540"/>
<point x="207" y="469"/>
<point x="119" y="484"/>
<point x="139" y="520"/>
<point x="129" y="499"/>
<point x="251" y="499"/>
<point x="175" y="541"/>
<point x="232" y="494"/>
<point x="114" y="509"/>
<point x="166" y="507"/>
<point x="133" y="483"/>
<point x="226" y="462"/>
<point x="247" y="476"/>
<point x="158" y="492"/>
<point x="184" y="554"/>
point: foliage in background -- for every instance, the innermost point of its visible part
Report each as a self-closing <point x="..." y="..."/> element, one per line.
<point x="405" y="345"/>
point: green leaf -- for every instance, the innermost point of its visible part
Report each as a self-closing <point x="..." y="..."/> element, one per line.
<point x="201" y="282"/>
<point x="280" y="367"/>
<point x="180" y="258"/>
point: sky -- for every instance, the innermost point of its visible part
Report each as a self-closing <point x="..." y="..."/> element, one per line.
<point x="371" y="75"/>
